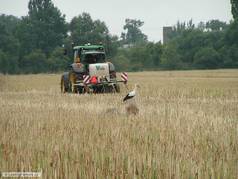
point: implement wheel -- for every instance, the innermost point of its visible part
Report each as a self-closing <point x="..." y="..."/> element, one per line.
<point x="117" y="88"/>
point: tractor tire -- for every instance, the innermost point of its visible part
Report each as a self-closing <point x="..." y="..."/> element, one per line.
<point x="64" y="84"/>
<point x="107" y="89"/>
<point x="80" y="90"/>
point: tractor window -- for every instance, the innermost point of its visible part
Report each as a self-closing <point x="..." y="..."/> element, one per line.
<point x="76" y="54"/>
<point x="95" y="58"/>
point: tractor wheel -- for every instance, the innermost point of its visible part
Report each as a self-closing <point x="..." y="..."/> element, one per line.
<point x="107" y="89"/>
<point x="64" y="84"/>
<point x="80" y="90"/>
<point x="62" y="87"/>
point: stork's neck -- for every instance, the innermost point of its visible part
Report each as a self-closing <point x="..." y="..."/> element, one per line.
<point x="135" y="88"/>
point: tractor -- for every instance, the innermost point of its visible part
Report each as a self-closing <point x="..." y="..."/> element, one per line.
<point x="90" y="72"/>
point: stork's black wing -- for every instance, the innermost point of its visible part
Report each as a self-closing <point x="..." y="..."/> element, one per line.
<point x="127" y="97"/>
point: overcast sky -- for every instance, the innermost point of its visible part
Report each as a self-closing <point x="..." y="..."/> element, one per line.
<point x="155" y="13"/>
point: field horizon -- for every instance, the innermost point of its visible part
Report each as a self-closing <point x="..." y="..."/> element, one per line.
<point x="187" y="127"/>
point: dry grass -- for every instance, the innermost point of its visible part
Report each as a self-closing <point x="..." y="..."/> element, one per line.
<point x="132" y="109"/>
<point x="187" y="127"/>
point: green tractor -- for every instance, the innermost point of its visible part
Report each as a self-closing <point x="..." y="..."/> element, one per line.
<point x="90" y="72"/>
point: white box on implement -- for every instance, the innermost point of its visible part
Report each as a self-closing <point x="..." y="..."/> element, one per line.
<point x="99" y="69"/>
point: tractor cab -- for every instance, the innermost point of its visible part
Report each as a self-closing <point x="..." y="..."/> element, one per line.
<point x="93" y="57"/>
<point x="90" y="54"/>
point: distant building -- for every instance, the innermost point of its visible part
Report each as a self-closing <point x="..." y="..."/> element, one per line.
<point x="166" y="34"/>
<point x="128" y="45"/>
<point x="125" y="46"/>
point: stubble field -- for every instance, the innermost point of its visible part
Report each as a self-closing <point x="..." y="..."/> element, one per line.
<point x="187" y="127"/>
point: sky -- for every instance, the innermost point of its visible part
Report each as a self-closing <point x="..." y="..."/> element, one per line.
<point x="154" y="13"/>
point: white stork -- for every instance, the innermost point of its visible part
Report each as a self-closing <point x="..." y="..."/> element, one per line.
<point x="131" y="94"/>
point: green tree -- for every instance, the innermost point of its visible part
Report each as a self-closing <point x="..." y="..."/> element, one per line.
<point x="207" y="58"/>
<point x="26" y="36"/>
<point x="189" y="39"/>
<point x="9" y="22"/>
<point x="138" y="58"/>
<point x="201" y="26"/>
<point x="35" y="62"/>
<point x="234" y="9"/>
<point x="170" y="58"/>
<point x="229" y="51"/>
<point x="133" y="33"/>
<point x="229" y="55"/>
<point x="84" y="30"/>
<point x="112" y="45"/>
<point x="44" y="28"/>
<point x="231" y="36"/>
<point x="9" y="44"/>
<point x="154" y="53"/>
<point x="122" y="62"/>
<point x="180" y="28"/>
<point x="4" y="63"/>
<point x="58" y="61"/>
<point x="187" y="44"/>
<point x="216" y="25"/>
<point x="8" y="63"/>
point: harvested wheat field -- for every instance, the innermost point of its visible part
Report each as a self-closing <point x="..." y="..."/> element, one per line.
<point x="186" y="127"/>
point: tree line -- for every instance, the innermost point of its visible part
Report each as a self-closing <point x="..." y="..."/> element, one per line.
<point x="33" y="43"/>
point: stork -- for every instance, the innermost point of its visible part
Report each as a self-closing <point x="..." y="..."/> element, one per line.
<point x="131" y="94"/>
